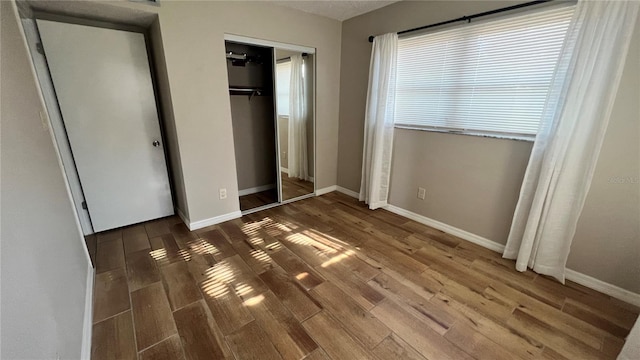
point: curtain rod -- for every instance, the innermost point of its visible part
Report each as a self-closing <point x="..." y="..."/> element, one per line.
<point x="468" y="18"/>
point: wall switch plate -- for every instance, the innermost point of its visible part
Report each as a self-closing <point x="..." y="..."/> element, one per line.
<point x="422" y="193"/>
<point x="223" y="194"/>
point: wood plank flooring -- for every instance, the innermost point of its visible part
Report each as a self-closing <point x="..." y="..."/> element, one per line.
<point x="326" y="278"/>
<point x="258" y="199"/>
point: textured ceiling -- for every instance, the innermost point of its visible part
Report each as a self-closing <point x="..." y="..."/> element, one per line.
<point x="335" y="9"/>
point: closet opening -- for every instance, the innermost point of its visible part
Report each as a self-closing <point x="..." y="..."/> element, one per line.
<point x="272" y="97"/>
<point x="251" y="84"/>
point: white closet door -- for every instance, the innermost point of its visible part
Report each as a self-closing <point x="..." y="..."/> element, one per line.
<point x="103" y="85"/>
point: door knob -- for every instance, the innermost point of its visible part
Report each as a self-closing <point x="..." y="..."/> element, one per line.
<point x="156" y="143"/>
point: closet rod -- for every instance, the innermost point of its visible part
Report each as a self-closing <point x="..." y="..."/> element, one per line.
<point x="250" y="90"/>
<point x="246" y="91"/>
<point x="468" y="18"/>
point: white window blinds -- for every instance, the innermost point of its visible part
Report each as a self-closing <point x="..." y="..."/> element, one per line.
<point x="491" y="77"/>
<point x="283" y="79"/>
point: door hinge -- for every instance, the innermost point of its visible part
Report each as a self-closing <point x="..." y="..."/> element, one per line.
<point x="84" y="205"/>
<point x="40" y="48"/>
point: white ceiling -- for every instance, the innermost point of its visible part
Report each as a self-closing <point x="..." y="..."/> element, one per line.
<point x="335" y="9"/>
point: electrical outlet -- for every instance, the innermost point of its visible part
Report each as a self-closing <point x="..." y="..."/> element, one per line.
<point x="422" y="193"/>
<point x="223" y="194"/>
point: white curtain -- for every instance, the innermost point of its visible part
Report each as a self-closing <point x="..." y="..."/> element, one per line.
<point x="378" y="126"/>
<point x="566" y="148"/>
<point x="298" y="160"/>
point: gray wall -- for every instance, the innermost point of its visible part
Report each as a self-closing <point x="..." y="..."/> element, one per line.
<point x="473" y="183"/>
<point x="254" y="140"/>
<point x="172" y="146"/>
<point x="44" y="262"/>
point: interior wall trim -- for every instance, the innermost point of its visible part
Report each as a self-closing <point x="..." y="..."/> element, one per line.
<point x="256" y="189"/>
<point x="346" y="191"/>
<point x="476" y="239"/>
<point x="211" y="221"/>
<point x="572" y="275"/>
<point x="87" y="326"/>
<point x="604" y="287"/>
<point x="326" y="190"/>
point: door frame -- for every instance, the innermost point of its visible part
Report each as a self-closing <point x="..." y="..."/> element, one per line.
<point x="54" y="114"/>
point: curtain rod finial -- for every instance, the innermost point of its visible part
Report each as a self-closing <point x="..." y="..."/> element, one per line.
<point x="371" y="38"/>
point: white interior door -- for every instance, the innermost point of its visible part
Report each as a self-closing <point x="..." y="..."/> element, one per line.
<point x="103" y="84"/>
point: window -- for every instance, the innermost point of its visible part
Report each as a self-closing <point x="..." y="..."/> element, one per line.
<point x="283" y="77"/>
<point x="488" y="78"/>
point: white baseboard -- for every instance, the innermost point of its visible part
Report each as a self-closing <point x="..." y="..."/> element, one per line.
<point x="256" y="189"/>
<point x="346" y="191"/>
<point x="87" y="326"/>
<point x="326" y="190"/>
<point x="582" y="279"/>
<point x="182" y="216"/>
<point x="284" y="170"/>
<point x="214" y="220"/>
<point x="603" y="287"/>
<point x="476" y="239"/>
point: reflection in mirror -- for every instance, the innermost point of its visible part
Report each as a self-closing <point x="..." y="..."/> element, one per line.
<point x="294" y="106"/>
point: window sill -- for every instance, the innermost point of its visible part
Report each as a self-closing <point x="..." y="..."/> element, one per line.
<point x="527" y="138"/>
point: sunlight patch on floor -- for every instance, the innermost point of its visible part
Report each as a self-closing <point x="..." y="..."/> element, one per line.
<point x="301" y="239"/>
<point x="184" y="254"/>
<point x="302" y="275"/>
<point x="243" y="289"/>
<point x="254" y="300"/>
<point x="218" y="279"/>
<point x="222" y="272"/>
<point x="256" y="241"/>
<point x="327" y="239"/>
<point x="158" y="254"/>
<point x="337" y="258"/>
<point x="260" y="256"/>
<point x="215" y="289"/>
<point x="202" y="247"/>
<point x="274" y="246"/>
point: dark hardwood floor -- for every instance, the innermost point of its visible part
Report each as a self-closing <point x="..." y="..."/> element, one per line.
<point x="326" y="278"/>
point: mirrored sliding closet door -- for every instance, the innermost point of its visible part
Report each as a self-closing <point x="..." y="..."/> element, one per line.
<point x="294" y="107"/>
